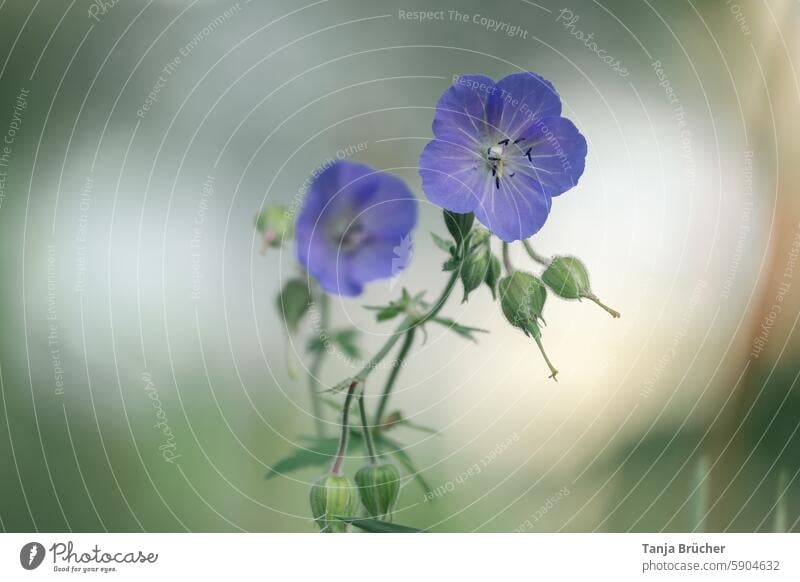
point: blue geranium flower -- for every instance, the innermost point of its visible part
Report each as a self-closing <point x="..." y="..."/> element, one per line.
<point x="355" y="227"/>
<point x="503" y="151"/>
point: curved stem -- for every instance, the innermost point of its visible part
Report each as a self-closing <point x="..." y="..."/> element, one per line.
<point x="387" y="390"/>
<point x="541" y="259"/>
<point x="336" y="468"/>
<point x="437" y="306"/>
<point x="366" y="430"/>
<point x="316" y="366"/>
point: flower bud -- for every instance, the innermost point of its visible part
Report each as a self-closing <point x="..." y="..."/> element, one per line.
<point x="568" y="278"/>
<point x="293" y="302"/>
<point x="477" y="262"/>
<point x="379" y="488"/>
<point x="333" y="497"/>
<point x="522" y="298"/>
<point x="493" y="275"/>
<point x="275" y="225"/>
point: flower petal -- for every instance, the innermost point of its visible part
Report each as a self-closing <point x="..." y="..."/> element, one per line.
<point x="377" y="260"/>
<point x="380" y="208"/>
<point x="454" y="176"/>
<point x="558" y="155"/>
<point x="390" y="212"/>
<point x="519" y="99"/>
<point x="461" y="111"/>
<point x="515" y="210"/>
<point x="327" y="264"/>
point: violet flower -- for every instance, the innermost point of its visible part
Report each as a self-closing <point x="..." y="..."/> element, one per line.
<point x="503" y="151"/>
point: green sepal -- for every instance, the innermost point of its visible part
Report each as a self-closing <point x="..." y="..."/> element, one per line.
<point x="458" y="225"/>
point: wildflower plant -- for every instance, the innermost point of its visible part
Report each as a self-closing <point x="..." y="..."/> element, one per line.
<point x="501" y="153"/>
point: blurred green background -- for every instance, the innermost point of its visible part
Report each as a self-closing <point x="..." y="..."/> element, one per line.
<point x="142" y="137"/>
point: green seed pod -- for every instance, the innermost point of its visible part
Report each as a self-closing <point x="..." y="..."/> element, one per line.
<point x="293" y="302"/>
<point x="522" y="298"/>
<point x="275" y="225"/>
<point x="379" y="488"/>
<point x="332" y="497"/>
<point x="568" y="278"/>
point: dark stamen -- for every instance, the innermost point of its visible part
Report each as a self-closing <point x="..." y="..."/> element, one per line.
<point x="494" y="170"/>
<point x="497" y="182"/>
<point x="519" y="139"/>
<point x="512" y="174"/>
<point x="528" y="154"/>
<point x="493" y="159"/>
<point x="504" y="142"/>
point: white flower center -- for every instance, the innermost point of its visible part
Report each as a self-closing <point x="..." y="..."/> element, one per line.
<point x="496" y="151"/>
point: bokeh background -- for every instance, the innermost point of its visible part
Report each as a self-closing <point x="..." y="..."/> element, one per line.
<point x="142" y="137"/>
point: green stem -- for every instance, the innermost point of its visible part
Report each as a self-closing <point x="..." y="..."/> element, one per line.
<point x="408" y="324"/>
<point x="593" y="297"/>
<point x="390" y="382"/>
<point x="336" y="468"/>
<point x="316" y="366"/>
<point x="541" y="259"/>
<point x="507" y="259"/>
<point x="553" y="371"/>
<point x="367" y="431"/>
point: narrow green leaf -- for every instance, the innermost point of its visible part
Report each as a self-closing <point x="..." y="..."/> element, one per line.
<point x="443" y="244"/>
<point x="377" y="526"/>
<point x="462" y="330"/>
<point x="419" y="427"/>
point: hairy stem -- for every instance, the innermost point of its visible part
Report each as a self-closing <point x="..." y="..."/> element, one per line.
<point x="390" y="382"/>
<point x="367" y="430"/>
<point x="541" y="259"/>
<point x="336" y="468"/>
